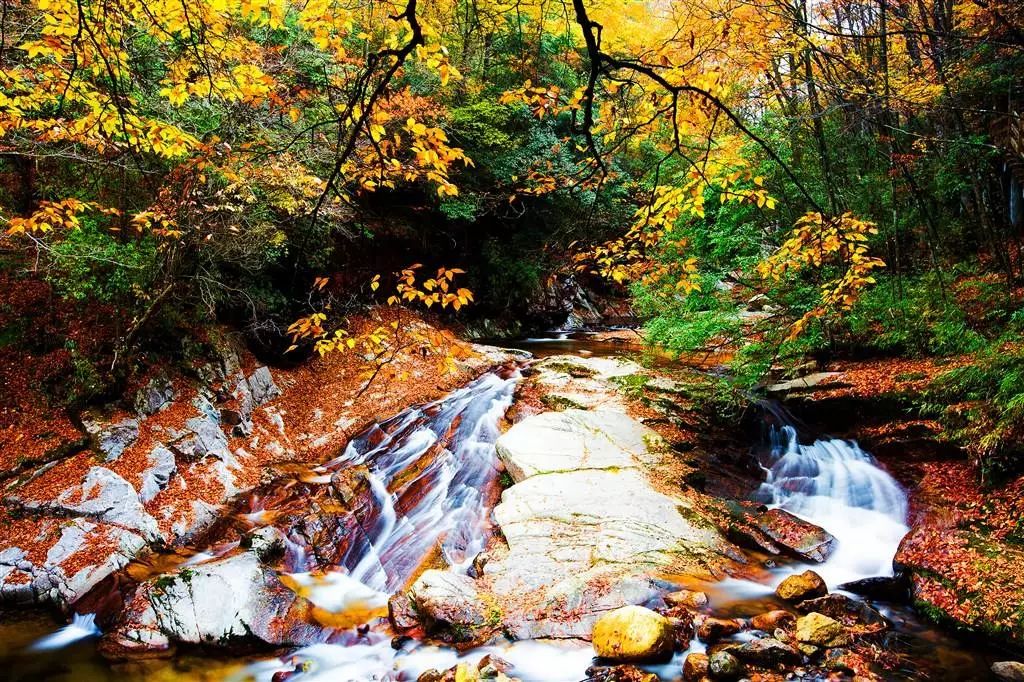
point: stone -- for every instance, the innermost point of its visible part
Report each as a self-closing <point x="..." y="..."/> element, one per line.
<point x="633" y="633"/>
<point x="476" y="568"/>
<point x="722" y="665"/>
<point x="114" y="439"/>
<point x="770" y="621"/>
<point x="235" y="598"/>
<point x="710" y="630"/>
<point x="688" y="598"/>
<point x="894" y="589"/>
<point x="618" y="673"/>
<point x="105" y="497"/>
<point x="1009" y="671"/>
<point x="262" y="386"/>
<point x="801" y="587"/>
<point x="766" y="652"/>
<point x="156" y="477"/>
<point x="820" y="630"/>
<point x="810" y="381"/>
<point x="844" y="609"/>
<point x="203" y="438"/>
<point x="797" y="537"/>
<point x="491" y="666"/>
<point x="449" y="604"/>
<point x="695" y="667"/>
<point x="267" y="543"/>
<point x="154" y="396"/>
<point x="573" y="439"/>
<point x="402" y="613"/>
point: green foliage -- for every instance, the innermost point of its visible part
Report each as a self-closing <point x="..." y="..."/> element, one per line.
<point x="92" y="265"/>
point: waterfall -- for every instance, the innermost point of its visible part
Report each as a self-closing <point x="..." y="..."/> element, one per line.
<point x="836" y="485"/>
<point x="81" y="627"/>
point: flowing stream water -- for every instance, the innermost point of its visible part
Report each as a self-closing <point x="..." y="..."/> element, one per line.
<point x="433" y="475"/>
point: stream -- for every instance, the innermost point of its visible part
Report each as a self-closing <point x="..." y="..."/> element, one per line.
<point x="433" y="474"/>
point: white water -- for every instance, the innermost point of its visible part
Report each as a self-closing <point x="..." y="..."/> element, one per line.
<point x="81" y="627"/>
<point x="836" y="485"/>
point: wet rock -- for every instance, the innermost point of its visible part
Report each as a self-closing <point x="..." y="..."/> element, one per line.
<point x="490" y="666"/>
<point x="432" y="675"/>
<point x="402" y="613"/>
<point x="710" y="630"/>
<point x="113" y="439"/>
<point x="695" y="667"/>
<point x="449" y="604"/>
<point x="820" y="630"/>
<point x="618" y="673"/>
<point x="476" y="568"/>
<point x="843" y="660"/>
<point x="801" y="587"/>
<point x="893" y="589"/>
<point x="267" y="543"/>
<point x="235" y="598"/>
<point x="770" y="621"/>
<point x="1009" y="671"/>
<point x="766" y="652"/>
<point x="844" y="609"/>
<point x="155" y="396"/>
<point x="156" y="477"/>
<point x="795" y="536"/>
<point x="724" y="666"/>
<point x="633" y="633"/>
<point x="350" y="484"/>
<point x="688" y="598"/>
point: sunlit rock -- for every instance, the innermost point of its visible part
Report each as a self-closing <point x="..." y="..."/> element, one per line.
<point x="633" y="633"/>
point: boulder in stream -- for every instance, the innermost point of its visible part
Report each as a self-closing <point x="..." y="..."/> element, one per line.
<point x="801" y="587"/>
<point x="797" y="537"/>
<point x="820" y="630"/>
<point x="766" y="652"/>
<point x="450" y="605"/>
<point x="633" y="633"/>
<point x="695" y="667"/>
<point x="722" y="665"/>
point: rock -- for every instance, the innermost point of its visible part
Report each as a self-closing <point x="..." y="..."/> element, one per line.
<point x="794" y="535"/>
<point x="820" y="630"/>
<point x="618" y="673"/>
<point x="235" y="598"/>
<point x="449" y="604"/>
<point x="695" y="667"/>
<point x="710" y="630"/>
<point x="573" y="439"/>
<point x="114" y="439"/>
<point x="893" y="589"/>
<point x="688" y="598"/>
<point x="402" y="613"/>
<point x="843" y="660"/>
<point x="770" y="621"/>
<point x="633" y="633"/>
<point x="155" y="478"/>
<point x="800" y="587"/>
<point x="155" y="396"/>
<point x="682" y="629"/>
<point x="476" y="568"/>
<point x="490" y="666"/>
<point x="267" y="543"/>
<point x="1009" y="671"/>
<point x="204" y="437"/>
<point x="844" y="609"/>
<point x="105" y="497"/>
<point x="432" y="675"/>
<point x="802" y="383"/>
<point x="262" y="386"/>
<point x="766" y="652"/>
<point x="724" y="666"/>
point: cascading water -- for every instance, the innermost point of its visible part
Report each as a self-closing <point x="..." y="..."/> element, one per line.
<point x="836" y="485"/>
